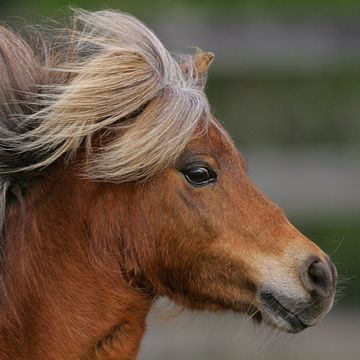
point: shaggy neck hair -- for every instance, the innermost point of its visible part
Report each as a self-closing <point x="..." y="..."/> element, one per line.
<point x="107" y="74"/>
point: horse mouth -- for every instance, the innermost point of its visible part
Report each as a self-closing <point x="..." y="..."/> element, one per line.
<point x="278" y="315"/>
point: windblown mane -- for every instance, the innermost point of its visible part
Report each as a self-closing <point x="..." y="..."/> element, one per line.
<point x="107" y="74"/>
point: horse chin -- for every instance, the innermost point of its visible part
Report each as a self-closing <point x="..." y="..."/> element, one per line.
<point x="278" y="314"/>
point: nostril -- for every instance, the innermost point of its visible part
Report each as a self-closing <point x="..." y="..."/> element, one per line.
<point x="320" y="276"/>
<point x="317" y="274"/>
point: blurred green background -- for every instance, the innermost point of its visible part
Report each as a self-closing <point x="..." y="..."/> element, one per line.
<point x="286" y="84"/>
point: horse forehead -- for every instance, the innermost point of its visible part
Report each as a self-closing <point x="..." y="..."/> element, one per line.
<point x="215" y="141"/>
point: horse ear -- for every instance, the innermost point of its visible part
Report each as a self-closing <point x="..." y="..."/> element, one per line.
<point x="202" y="62"/>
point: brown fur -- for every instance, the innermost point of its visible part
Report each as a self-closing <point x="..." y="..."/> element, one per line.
<point x="83" y="260"/>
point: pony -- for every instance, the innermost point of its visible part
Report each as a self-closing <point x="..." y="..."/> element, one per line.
<point x="119" y="186"/>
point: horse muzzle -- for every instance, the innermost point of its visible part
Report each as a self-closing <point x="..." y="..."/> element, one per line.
<point x="291" y="310"/>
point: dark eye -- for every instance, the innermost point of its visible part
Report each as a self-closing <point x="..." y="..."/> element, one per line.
<point x="200" y="175"/>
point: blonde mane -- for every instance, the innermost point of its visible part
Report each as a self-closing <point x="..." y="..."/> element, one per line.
<point x="108" y="73"/>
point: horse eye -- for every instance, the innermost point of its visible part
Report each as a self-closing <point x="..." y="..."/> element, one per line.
<point x="200" y="175"/>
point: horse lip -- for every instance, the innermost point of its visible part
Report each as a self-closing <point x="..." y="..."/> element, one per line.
<point x="276" y="308"/>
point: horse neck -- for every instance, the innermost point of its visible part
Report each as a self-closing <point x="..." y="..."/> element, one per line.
<point x="62" y="281"/>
